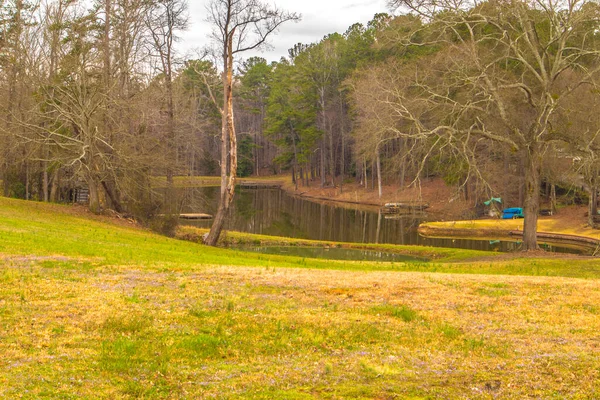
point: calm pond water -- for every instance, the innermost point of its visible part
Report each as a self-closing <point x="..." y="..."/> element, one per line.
<point x="273" y="212"/>
<point x="332" y="253"/>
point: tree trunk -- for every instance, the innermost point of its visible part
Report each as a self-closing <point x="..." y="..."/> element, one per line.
<point x="53" y="189"/>
<point x="366" y="175"/>
<point x="343" y="156"/>
<point x="533" y="164"/>
<point x="593" y="203"/>
<point x="5" y="180"/>
<point x="295" y="165"/>
<point x="55" y="185"/>
<point x="402" y="165"/>
<point x="364" y="235"/>
<point x="331" y="158"/>
<point x="378" y="227"/>
<point x="113" y="196"/>
<point x="306" y="180"/>
<point x="27" y="194"/>
<point x="505" y="181"/>
<point x="45" y="183"/>
<point x="379" y="172"/>
<point x="373" y="171"/>
<point x="553" y="198"/>
<point x="521" y="181"/>
<point x="323" y="125"/>
<point x="228" y="139"/>
<point x="94" y="198"/>
<point x="322" y="151"/>
<point x="593" y="207"/>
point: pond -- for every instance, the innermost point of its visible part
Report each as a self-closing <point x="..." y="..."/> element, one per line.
<point x="274" y="212"/>
<point x="332" y="253"/>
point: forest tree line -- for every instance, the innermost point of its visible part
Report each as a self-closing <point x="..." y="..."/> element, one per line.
<point x="497" y="98"/>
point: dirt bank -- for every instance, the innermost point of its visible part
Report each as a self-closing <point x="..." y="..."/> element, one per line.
<point x="444" y="205"/>
<point x="443" y="201"/>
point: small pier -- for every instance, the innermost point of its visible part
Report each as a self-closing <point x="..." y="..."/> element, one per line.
<point x="195" y="216"/>
<point x="260" y="185"/>
<point x="404" y="207"/>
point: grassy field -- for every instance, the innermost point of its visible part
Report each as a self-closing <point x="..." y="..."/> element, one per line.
<point x="94" y="309"/>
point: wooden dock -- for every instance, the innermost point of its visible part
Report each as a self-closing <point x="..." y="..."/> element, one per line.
<point x="404" y="207"/>
<point x="406" y="215"/>
<point x="195" y="216"/>
<point x="260" y="185"/>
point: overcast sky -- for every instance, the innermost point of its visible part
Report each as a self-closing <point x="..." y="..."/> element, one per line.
<point x="319" y="17"/>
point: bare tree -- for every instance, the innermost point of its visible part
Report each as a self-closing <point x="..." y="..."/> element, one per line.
<point x="499" y="74"/>
<point x="164" y="19"/>
<point x="238" y="26"/>
<point x="582" y="124"/>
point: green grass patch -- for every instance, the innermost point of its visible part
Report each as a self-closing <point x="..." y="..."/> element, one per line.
<point x="203" y="345"/>
<point x="69" y="238"/>
<point x="449" y="331"/>
<point x="403" y="312"/>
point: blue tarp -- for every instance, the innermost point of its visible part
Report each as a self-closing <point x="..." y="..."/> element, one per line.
<point x="514" y="212"/>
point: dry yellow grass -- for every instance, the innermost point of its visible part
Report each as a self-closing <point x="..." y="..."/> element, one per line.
<point x="92" y="310"/>
<point x="569" y="221"/>
<point x="230" y="332"/>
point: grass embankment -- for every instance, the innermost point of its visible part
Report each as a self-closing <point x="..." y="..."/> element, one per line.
<point x="28" y="228"/>
<point x="240" y="239"/>
<point x="568" y="223"/>
<point x="90" y="309"/>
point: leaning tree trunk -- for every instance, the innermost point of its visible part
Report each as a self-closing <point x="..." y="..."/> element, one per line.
<point x="533" y="165"/>
<point x="113" y="195"/>
<point x="228" y="140"/>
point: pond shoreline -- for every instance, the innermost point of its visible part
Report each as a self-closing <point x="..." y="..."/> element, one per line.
<point x="567" y="227"/>
<point x="442" y="200"/>
<point x="449" y="231"/>
<point x="236" y="239"/>
<point x="498" y="229"/>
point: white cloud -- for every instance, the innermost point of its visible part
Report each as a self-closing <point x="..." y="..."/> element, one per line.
<point x="319" y="18"/>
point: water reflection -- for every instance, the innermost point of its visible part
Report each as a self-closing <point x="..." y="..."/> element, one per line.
<point x="273" y="212"/>
<point x="333" y="253"/>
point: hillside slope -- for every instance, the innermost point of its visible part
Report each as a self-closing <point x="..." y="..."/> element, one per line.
<point x="91" y="309"/>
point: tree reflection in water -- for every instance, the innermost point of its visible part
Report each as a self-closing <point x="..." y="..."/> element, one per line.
<point x="274" y="212"/>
